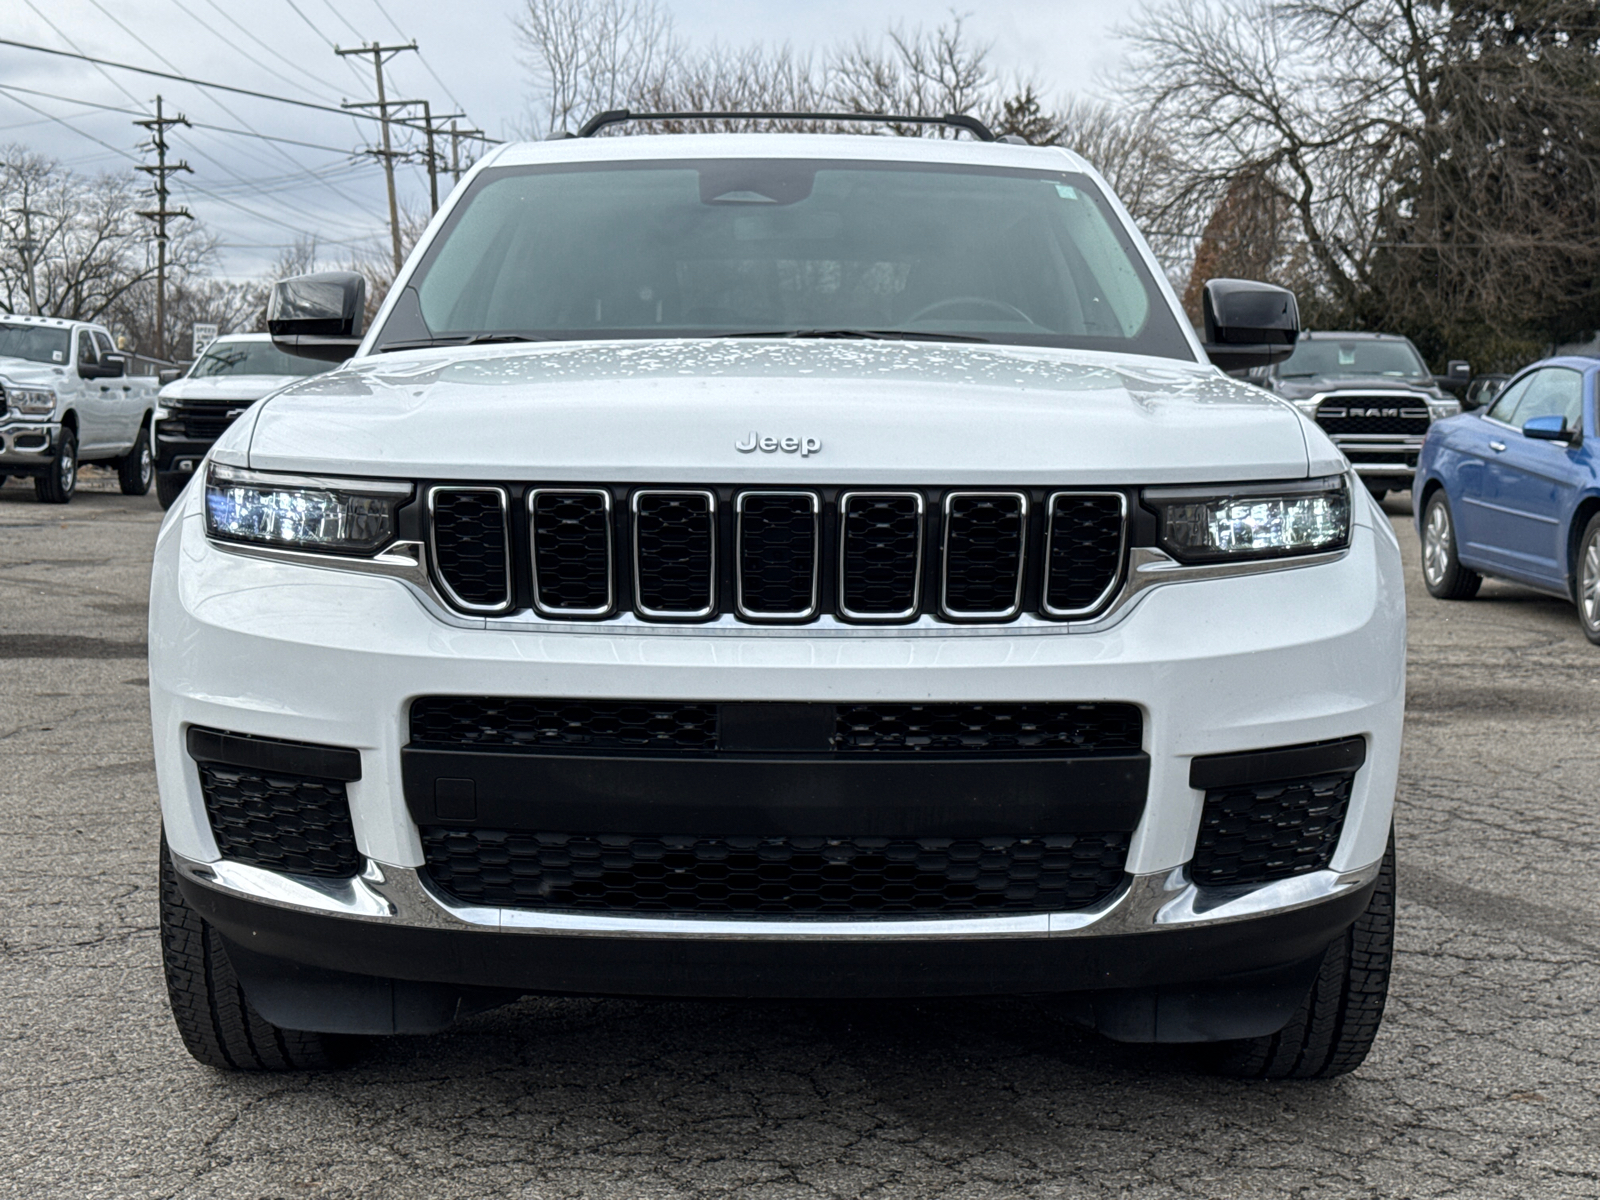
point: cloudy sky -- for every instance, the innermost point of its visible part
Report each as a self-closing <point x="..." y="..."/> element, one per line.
<point x="265" y="172"/>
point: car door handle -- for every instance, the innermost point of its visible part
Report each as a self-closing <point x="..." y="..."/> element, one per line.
<point x="1497" y="447"/>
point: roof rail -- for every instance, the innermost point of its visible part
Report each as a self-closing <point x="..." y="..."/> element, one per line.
<point x="618" y="116"/>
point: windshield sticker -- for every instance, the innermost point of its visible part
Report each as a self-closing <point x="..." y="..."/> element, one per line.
<point x="55" y="356"/>
<point x="1066" y="192"/>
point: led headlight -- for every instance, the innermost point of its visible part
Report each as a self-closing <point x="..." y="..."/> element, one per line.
<point x="346" y="516"/>
<point x="1258" y="520"/>
<point x="1440" y="409"/>
<point x="34" y="402"/>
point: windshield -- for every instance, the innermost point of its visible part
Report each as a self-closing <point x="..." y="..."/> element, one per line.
<point x="34" y="343"/>
<point x="751" y="246"/>
<point x="253" y="358"/>
<point x="1319" y="358"/>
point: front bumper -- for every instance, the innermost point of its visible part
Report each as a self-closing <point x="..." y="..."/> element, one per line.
<point x="27" y="447"/>
<point x="282" y="650"/>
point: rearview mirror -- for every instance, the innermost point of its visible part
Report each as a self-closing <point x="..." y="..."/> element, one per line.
<point x="1547" y="429"/>
<point x="318" y="316"/>
<point x="1248" y="324"/>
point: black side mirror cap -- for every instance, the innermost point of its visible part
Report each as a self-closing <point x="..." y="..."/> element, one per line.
<point x="169" y="375"/>
<point x="110" y="366"/>
<point x="318" y="316"/>
<point x="1248" y="324"/>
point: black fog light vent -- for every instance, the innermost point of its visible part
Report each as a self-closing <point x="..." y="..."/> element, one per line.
<point x="266" y="810"/>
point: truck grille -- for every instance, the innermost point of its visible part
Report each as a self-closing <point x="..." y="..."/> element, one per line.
<point x="489" y="722"/>
<point x="775" y="555"/>
<point x="775" y="877"/>
<point x="1368" y="415"/>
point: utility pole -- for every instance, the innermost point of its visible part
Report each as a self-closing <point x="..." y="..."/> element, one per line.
<point x="381" y="55"/>
<point x="433" y="159"/>
<point x="162" y="212"/>
<point x="455" y="147"/>
<point x="26" y="248"/>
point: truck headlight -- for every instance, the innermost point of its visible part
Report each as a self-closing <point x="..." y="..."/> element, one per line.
<point x="349" y="516"/>
<point x="1257" y="520"/>
<point x="1438" y="410"/>
<point x="33" y="402"/>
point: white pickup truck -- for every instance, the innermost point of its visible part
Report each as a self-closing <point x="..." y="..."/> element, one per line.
<point x="66" y="398"/>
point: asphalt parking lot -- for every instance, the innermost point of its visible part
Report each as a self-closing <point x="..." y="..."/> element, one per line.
<point x="1485" y="1080"/>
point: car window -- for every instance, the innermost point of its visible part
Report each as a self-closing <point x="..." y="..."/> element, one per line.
<point x="223" y="357"/>
<point x="1505" y="405"/>
<point x="86" y="352"/>
<point x="34" y="343"/>
<point x="747" y="246"/>
<point x="1552" y="392"/>
<point x="102" y="343"/>
<point x="1327" y="358"/>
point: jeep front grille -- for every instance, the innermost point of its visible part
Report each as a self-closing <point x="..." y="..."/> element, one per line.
<point x="775" y="555"/>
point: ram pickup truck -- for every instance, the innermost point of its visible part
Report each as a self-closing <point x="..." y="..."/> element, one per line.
<point x="235" y="371"/>
<point x="778" y="565"/>
<point x="66" y="398"/>
<point x="1371" y="393"/>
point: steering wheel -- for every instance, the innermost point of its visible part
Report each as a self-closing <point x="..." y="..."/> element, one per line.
<point x="984" y="301"/>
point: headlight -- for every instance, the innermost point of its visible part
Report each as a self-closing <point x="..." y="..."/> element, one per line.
<point x="35" y="402"/>
<point x="1438" y="410"/>
<point x="163" y="414"/>
<point x="1269" y="520"/>
<point x="350" y="516"/>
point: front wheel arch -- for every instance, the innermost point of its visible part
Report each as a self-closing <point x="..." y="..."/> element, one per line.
<point x="1581" y="516"/>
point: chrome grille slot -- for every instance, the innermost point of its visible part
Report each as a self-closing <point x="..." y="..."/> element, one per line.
<point x="1083" y="551"/>
<point x="470" y="546"/>
<point x="675" y="554"/>
<point x="985" y="541"/>
<point x="778" y="534"/>
<point x="571" y="536"/>
<point x="880" y="555"/>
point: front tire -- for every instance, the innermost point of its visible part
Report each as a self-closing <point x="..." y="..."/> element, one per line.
<point x="1332" y="1031"/>
<point x="1442" y="572"/>
<point x="1587" y="583"/>
<point x="218" y="1026"/>
<point x="137" y="469"/>
<point x="60" y="480"/>
<point x="169" y="486"/>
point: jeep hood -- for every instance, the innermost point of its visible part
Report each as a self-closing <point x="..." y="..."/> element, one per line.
<point x="883" y="413"/>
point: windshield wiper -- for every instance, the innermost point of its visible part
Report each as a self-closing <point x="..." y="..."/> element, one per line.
<point x="468" y="339"/>
<point x="874" y="335"/>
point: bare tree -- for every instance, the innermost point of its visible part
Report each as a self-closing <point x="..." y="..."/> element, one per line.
<point x="587" y="56"/>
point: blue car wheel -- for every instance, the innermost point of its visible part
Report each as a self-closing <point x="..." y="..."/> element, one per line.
<point x="1442" y="572"/>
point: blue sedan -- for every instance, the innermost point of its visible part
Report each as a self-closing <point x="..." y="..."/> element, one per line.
<point x="1513" y="491"/>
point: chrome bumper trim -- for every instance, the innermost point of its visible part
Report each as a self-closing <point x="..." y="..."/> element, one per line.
<point x="1147" y="903"/>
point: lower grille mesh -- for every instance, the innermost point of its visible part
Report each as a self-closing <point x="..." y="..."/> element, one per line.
<point x="1261" y="832"/>
<point x="490" y="722"/>
<point x="290" y="823"/>
<point x="777" y="877"/>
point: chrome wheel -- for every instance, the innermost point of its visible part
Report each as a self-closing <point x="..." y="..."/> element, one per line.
<point x="1436" y="545"/>
<point x="147" y="463"/>
<point x="67" y="466"/>
<point x="1589" y="583"/>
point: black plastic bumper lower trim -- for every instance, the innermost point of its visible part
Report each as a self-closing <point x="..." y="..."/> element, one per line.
<point x="1338" y="757"/>
<point x="268" y="754"/>
<point x="770" y="795"/>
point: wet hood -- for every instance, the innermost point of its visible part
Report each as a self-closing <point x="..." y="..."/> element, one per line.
<point x="804" y="411"/>
<point x="224" y="388"/>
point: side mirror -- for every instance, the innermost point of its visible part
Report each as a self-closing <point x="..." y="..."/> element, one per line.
<point x="318" y="316"/>
<point x="1248" y="324"/>
<point x="1458" y="368"/>
<point x="110" y="366"/>
<point x="170" y="375"/>
<point x="1547" y="429"/>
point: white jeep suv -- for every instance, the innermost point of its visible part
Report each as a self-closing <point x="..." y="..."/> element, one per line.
<point x="778" y="566"/>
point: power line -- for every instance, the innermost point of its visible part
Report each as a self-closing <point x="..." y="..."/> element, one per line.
<point x="234" y="21"/>
<point x="200" y="83"/>
<point x="233" y="42"/>
<point x="421" y="57"/>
